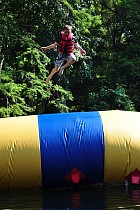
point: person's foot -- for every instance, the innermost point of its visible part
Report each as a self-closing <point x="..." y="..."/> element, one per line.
<point x="61" y="71"/>
<point x="47" y="81"/>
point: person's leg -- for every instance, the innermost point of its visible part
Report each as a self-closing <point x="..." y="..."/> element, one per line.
<point x="71" y="60"/>
<point x="54" y="70"/>
<point x="59" y="61"/>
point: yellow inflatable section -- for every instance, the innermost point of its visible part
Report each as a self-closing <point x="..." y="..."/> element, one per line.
<point x="122" y="144"/>
<point x="20" y="163"/>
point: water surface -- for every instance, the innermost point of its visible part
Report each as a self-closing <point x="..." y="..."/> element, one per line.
<point x="103" y="199"/>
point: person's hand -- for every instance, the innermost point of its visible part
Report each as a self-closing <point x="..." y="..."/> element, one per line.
<point x="43" y="49"/>
<point x="83" y="52"/>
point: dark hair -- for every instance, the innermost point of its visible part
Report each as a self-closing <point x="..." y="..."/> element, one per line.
<point x="67" y="27"/>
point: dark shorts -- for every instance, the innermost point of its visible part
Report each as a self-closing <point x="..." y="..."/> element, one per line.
<point x="61" y="58"/>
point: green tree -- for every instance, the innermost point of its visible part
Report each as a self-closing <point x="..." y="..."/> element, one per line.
<point x="24" y="66"/>
<point x="106" y="78"/>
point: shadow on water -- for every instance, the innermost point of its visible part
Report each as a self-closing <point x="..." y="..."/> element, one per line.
<point x="103" y="199"/>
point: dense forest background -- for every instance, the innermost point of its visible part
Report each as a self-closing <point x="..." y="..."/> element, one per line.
<point x="107" y="78"/>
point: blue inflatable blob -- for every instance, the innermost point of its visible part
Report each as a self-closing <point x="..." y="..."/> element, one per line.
<point x="72" y="148"/>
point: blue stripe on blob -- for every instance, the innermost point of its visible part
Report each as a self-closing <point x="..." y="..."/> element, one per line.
<point x="71" y="140"/>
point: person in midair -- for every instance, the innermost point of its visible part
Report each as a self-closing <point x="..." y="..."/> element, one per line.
<point x="65" y="46"/>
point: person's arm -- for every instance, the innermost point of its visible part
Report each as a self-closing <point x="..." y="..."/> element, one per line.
<point x="49" y="47"/>
<point x="83" y="52"/>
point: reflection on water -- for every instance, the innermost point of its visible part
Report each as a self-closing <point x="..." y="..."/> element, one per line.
<point x="104" y="199"/>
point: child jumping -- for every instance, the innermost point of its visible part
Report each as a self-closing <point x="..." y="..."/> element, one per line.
<point x="65" y="46"/>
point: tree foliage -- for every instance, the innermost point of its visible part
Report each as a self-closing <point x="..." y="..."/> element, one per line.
<point x="108" y="77"/>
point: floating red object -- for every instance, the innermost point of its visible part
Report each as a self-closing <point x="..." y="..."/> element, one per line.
<point x="134" y="177"/>
<point x="75" y="176"/>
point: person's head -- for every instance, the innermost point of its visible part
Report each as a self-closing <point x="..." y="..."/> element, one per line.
<point x="67" y="29"/>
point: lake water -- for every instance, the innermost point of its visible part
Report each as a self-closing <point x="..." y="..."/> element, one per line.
<point x="103" y="199"/>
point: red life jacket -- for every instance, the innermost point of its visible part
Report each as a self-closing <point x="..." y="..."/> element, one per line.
<point x="66" y="45"/>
